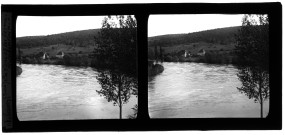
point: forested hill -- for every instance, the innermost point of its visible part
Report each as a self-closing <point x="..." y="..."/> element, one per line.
<point x="219" y="36"/>
<point x="75" y="38"/>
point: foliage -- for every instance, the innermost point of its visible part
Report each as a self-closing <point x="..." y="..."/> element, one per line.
<point x="117" y="43"/>
<point x="252" y="80"/>
<point x="116" y="87"/>
<point x="252" y="50"/>
<point x="135" y="109"/>
<point x="253" y="41"/>
<point x="71" y="60"/>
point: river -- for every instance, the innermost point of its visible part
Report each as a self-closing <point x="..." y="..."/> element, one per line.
<point x="198" y="90"/>
<point x="55" y="92"/>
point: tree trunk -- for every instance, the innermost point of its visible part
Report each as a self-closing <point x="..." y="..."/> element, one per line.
<point x="261" y="109"/>
<point x="119" y="95"/>
<point x="161" y="55"/>
<point x="155" y="53"/>
<point x="260" y="96"/>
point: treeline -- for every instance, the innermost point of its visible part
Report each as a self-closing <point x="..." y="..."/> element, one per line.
<point x="210" y="57"/>
<point x="67" y="60"/>
<point x="76" y="38"/>
<point x="220" y="36"/>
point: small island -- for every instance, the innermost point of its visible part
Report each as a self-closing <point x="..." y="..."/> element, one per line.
<point x="154" y="69"/>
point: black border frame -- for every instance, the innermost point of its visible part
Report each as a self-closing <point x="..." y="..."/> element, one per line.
<point x="141" y="11"/>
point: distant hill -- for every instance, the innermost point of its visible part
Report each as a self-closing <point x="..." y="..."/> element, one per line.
<point x="76" y="38"/>
<point x="221" y="36"/>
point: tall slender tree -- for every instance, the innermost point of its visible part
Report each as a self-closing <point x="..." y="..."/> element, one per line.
<point x="117" y="50"/>
<point x="155" y="54"/>
<point x="161" y="53"/>
<point x="252" y="50"/>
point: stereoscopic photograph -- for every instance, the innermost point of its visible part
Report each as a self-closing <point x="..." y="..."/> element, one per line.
<point x="208" y="66"/>
<point x="76" y="67"/>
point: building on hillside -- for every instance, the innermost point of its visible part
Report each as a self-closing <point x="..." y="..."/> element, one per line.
<point x="184" y="53"/>
<point x="202" y="52"/>
<point x="46" y="56"/>
<point x="187" y="54"/>
<point x="60" y="54"/>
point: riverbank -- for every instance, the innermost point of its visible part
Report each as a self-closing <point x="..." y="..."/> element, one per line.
<point x="66" y="60"/>
<point x="211" y="58"/>
<point x="154" y="69"/>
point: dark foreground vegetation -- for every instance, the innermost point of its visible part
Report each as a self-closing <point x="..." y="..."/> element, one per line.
<point x="253" y="51"/>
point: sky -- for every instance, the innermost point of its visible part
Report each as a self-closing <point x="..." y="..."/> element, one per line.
<point x="176" y="24"/>
<point x="45" y="25"/>
<point x="157" y="24"/>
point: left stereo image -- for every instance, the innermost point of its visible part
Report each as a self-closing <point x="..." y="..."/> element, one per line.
<point x="76" y="67"/>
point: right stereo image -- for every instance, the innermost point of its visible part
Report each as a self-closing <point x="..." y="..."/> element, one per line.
<point x="208" y="66"/>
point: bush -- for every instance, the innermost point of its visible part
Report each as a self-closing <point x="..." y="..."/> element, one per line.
<point x="175" y="59"/>
<point x="59" y="62"/>
<point x="71" y="60"/>
<point x="168" y="58"/>
<point x="26" y="60"/>
<point x="181" y="59"/>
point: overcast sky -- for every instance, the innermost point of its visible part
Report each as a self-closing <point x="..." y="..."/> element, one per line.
<point x="157" y="24"/>
<point x="174" y="24"/>
<point x="36" y="25"/>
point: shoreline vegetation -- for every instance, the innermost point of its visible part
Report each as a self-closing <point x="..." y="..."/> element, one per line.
<point x="66" y="60"/>
<point x="209" y="58"/>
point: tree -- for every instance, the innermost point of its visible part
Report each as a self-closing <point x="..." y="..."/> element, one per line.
<point x="155" y="54"/>
<point x="252" y="51"/>
<point x="117" y="52"/>
<point x="116" y="88"/>
<point x="161" y="53"/>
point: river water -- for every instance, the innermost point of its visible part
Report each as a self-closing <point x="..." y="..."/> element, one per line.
<point x="55" y="92"/>
<point x="198" y="90"/>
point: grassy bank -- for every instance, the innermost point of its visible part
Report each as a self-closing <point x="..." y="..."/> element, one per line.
<point x="67" y="60"/>
<point x="211" y="58"/>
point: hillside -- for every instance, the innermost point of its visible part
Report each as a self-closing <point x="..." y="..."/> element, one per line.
<point x="216" y="36"/>
<point x="218" y="44"/>
<point x="81" y="38"/>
